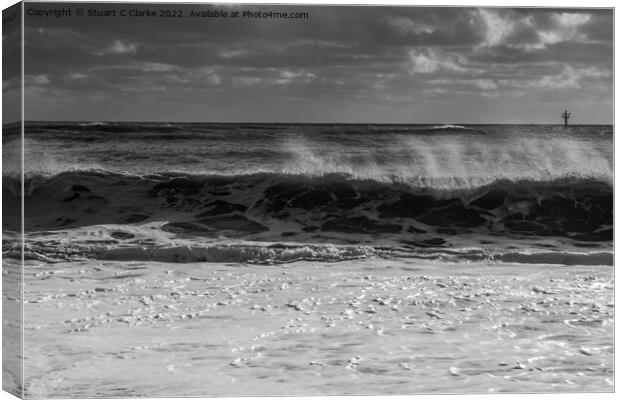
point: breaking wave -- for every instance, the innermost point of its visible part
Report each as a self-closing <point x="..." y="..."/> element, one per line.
<point x="571" y="207"/>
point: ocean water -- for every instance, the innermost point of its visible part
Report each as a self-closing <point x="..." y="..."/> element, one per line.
<point x="440" y="156"/>
<point x="289" y="259"/>
<point x="505" y="192"/>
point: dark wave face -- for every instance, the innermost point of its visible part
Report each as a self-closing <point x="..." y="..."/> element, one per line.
<point x="275" y="205"/>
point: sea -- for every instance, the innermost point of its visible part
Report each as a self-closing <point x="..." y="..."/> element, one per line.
<point x="502" y="192"/>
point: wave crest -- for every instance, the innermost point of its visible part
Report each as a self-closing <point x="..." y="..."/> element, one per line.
<point x="265" y="205"/>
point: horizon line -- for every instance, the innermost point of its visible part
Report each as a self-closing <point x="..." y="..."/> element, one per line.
<point x="307" y="123"/>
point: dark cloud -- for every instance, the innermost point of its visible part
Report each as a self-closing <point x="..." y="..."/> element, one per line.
<point x="384" y="64"/>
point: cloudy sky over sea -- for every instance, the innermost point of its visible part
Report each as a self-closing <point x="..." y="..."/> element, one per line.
<point x="341" y="64"/>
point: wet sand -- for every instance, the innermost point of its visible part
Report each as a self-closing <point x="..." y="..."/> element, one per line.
<point x="397" y="326"/>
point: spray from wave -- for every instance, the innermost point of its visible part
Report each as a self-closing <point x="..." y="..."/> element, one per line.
<point x="448" y="164"/>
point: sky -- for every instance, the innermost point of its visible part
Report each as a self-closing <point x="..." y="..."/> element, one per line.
<point x="341" y="64"/>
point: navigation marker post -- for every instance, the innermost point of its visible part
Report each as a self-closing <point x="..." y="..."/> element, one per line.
<point x="566" y="116"/>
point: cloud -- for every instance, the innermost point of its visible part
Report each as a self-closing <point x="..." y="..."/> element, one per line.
<point x="396" y="98"/>
<point x="482" y="84"/>
<point x="271" y="76"/>
<point x="497" y="27"/>
<point x="118" y="47"/>
<point x="570" y="20"/>
<point x="490" y="95"/>
<point x="246" y="80"/>
<point x="77" y="76"/>
<point x="156" y="67"/>
<point x="36" y="80"/>
<point x="594" y="72"/>
<point x="298" y="76"/>
<point x="436" y="91"/>
<point x="485" y="84"/>
<point x="214" y="79"/>
<point x="566" y="29"/>
<point x="428" y="60"/>
<point x="226" y="53"/>
<point x="11" y="83"/>
<point x="531" y="31"/>
<point x="406" y="25"/>
<point x="568" y="78"/>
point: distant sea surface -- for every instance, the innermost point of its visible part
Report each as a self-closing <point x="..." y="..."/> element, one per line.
<point x="446" y="156"/>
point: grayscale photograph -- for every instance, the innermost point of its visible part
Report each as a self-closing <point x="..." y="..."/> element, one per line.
<point x="264" y="200"/>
